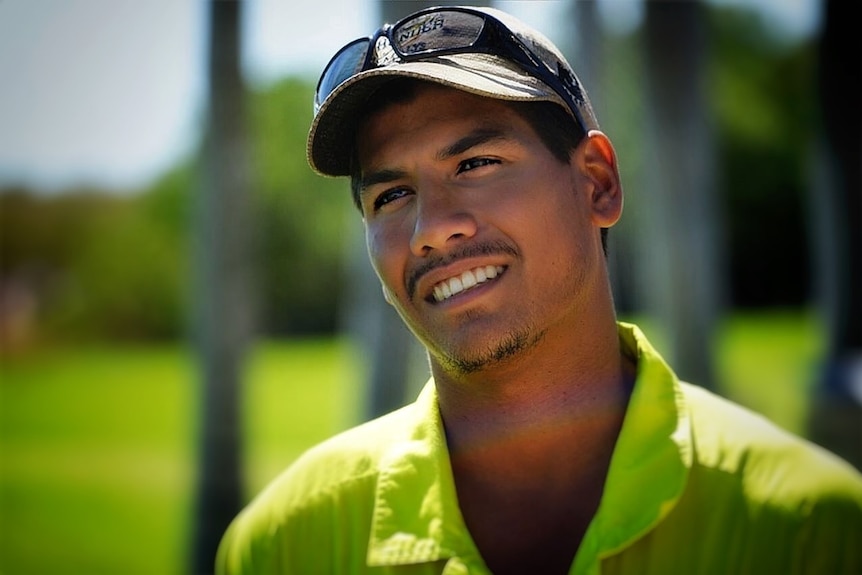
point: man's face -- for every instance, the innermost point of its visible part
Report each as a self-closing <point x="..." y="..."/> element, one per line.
<point x="482" y="240"/>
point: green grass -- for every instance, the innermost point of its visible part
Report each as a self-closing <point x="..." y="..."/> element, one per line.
<point x="97" y="448"/>
<point x="96" y="460"/>
<point x="770" y="363"/>
<point x="298" y="394"/>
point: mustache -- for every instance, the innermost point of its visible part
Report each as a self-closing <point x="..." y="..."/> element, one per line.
<point x="459" y="253"/>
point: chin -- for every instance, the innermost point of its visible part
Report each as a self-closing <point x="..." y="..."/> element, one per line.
<point x="465" y="362"/>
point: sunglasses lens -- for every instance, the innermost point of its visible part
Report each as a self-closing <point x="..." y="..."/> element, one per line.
<point x="444" y="30"/>
<point x="346" y="63"/>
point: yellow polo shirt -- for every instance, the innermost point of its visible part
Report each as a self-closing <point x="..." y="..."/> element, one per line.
<point x="696" y="485"/>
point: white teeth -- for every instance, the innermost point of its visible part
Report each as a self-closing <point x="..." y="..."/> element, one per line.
<point x="468" y="279"/>
<point x="438" y="293"/>
<point x="465" y="281"/>
<point x="456" y="286"/>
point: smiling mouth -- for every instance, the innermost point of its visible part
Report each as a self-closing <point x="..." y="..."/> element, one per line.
<point x="465" y="281"/>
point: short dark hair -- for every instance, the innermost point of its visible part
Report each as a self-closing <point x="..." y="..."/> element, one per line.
<point x="557" y="129"/>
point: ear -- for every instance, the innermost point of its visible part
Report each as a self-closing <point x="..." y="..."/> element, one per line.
<point x="386" y="295"/>
<point x="598" y="163"/>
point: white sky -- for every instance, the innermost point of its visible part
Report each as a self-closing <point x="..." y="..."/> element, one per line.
<point x="108" y="92"/>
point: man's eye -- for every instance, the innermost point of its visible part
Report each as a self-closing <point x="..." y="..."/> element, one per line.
<point x="389" y="196"/>
<point x="474" y="163"/>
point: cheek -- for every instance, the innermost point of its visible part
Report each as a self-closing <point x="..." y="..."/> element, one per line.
<point x="384" y="255"/>
<point x="548" y="208"/>
<point x="373" y="246"/>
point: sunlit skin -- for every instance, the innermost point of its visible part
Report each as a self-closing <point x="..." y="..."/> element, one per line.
<point x="531" y="383"/>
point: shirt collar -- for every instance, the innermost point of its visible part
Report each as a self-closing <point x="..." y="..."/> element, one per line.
<point x="416" y="517"/>
<point x="652" y="457"/>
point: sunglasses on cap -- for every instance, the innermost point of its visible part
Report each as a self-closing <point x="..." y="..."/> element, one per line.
<point x="439" y="32"/>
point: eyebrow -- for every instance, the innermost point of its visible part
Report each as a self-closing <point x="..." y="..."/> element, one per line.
<point x="379" y="177"/>
<point x="475" y="138"/>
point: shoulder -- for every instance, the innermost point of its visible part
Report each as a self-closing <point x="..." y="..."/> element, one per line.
<point x="347" y="457"/>
<point x="772" y="464"/>
<point x="776" y="502"/>
<point x="330" y="485"/>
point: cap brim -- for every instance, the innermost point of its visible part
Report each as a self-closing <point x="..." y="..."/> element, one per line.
<point x="331" y="138"/>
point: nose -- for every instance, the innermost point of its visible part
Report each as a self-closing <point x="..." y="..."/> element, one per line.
<point x="441" y="221"/>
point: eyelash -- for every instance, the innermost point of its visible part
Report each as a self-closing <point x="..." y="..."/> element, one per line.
<point x="387" y="197"/>
<point x="473" y="163"/>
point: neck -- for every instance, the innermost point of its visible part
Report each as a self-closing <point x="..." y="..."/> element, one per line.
<point x="564" y="388"/>
<point x="531" y="445"/>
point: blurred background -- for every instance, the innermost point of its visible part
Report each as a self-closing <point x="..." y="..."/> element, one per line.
<point x="185" y="306"/>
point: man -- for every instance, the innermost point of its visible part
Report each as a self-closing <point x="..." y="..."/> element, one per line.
<point x="550" y="438"/>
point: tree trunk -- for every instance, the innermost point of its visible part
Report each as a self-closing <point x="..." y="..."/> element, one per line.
<point x="223" y="294"/>
<point x="683" y="275"/>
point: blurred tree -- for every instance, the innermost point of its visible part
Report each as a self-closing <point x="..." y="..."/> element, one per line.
<point x="41" y="242"/>
<point x="96" y="264"/>
<point x="47" y="231"/>
<point x="224" y="294"/>
<point x="299" y="217"/>
<point x="116" y="263"/>
<point x="683" y="277"/>
<point x="764" y="99"/>
<point x="836" y="418"/>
